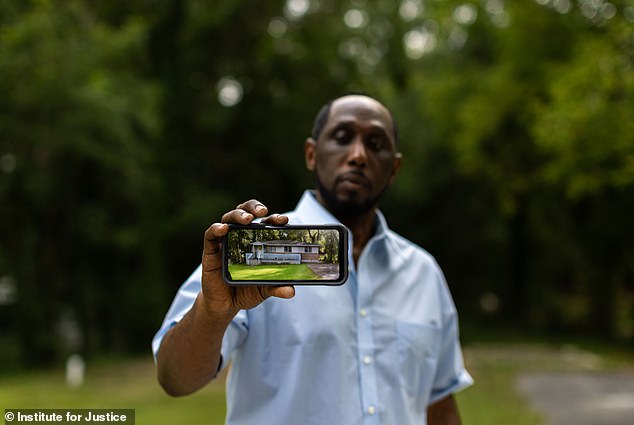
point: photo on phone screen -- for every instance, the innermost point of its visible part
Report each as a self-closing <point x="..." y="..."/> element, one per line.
<point x="259" y="254"/>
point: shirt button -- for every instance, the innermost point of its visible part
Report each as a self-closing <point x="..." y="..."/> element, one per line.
<point x="367" y="360"/>
<point x="363" y="312"/>
<point x="371" y="410"/>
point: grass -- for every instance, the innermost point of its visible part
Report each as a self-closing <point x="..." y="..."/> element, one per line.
<point x="293" y="272"/>
<point x="131" y="383"/>
<point x="123" y="384"/>
<point x="493" y="399"/>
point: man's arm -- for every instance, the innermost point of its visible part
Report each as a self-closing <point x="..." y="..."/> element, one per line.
<point x="190" y="352"/>
<point x="189" y="355"/>
<point x="443" y="412"/>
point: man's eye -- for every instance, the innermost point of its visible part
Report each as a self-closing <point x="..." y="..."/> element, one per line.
<point x="342" y="135"/>
<point x="375" y="142"/>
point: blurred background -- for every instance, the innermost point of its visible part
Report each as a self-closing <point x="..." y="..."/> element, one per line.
<point x="126" y="128"/>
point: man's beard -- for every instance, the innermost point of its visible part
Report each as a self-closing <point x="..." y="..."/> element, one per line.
<point x="348" y="209"/>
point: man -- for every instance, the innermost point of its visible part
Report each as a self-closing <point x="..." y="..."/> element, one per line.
<point x="381" y="349"/>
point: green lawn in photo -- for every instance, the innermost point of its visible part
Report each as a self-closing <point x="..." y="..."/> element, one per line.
<point x="292" y="272"/>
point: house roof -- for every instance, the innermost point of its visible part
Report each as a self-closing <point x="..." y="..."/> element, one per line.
<point x="285" y="243"/>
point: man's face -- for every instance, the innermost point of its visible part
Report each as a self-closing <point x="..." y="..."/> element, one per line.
<point x="355" y="158"/>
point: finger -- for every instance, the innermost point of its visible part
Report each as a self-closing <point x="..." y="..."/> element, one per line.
<point x="211" y="247"/>
<point x="237" y="216"/>
<point x="276" y="220"/>
<point x="215" y="232"/>
<point x="255" y="207"/>
<point x="212" y="237"/>
<point x="281" y="291"/>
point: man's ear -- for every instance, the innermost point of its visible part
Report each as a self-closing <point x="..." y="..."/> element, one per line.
<point x="396" y="165"/>
<point x="309" y="153"/>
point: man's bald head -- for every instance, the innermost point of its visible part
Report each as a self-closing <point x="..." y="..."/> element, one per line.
<point x="324" y="114"/>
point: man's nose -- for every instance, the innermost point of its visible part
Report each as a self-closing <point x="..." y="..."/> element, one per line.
<point x="357" y="154"/>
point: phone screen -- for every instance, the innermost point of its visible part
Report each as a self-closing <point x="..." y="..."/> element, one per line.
<point x="260" y="254"/>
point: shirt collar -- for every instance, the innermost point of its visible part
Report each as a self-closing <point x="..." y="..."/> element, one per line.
<point x="309" y="210"/>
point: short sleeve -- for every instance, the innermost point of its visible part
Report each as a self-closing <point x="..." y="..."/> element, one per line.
<point x="181" y="304"/>
<point x="234" y="336"/>
<point x="451" y="374"/>
<point x="183" y="301"/>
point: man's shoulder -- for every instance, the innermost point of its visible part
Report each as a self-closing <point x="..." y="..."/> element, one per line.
<point x="405" y="247"/>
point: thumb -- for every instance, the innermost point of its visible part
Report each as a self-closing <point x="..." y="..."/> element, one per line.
<point x="281" y="291"/>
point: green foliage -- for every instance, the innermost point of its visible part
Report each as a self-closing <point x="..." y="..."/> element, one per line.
<point x="78" y="120"/>
<point x="126" y="128"/>
<point x="584" y="124"/>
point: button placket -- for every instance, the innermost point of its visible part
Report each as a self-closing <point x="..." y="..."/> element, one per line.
<point x="366" y="344"/>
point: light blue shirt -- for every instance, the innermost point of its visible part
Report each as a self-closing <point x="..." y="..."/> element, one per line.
<point x="377" y="350"/>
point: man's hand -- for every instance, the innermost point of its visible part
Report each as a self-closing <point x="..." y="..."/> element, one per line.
<point x="190" y="352"/>
<point x="223" y="299"/>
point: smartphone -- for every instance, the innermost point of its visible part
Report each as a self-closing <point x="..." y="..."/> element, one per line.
<point x="259" y="254"/>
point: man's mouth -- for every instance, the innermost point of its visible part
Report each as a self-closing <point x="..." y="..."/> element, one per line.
<point x="355" y="179"/>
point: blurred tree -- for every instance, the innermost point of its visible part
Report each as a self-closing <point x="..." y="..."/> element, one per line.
<point x="518" y="116"/>
<point x="584" y="126"/>
<point x="77" y="118"/>
<point x="127" y="127"/>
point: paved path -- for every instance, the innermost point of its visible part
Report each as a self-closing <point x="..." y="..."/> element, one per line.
<point x="581" y="398"/>
<point x="325" y="270"/>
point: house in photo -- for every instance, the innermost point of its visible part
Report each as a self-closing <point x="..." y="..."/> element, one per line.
<point x="282" y="252"/>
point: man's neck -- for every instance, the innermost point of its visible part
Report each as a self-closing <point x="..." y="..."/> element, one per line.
<point x="362" y="228"/>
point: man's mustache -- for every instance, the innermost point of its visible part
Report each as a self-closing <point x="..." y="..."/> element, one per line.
<point x="354" y="176"/>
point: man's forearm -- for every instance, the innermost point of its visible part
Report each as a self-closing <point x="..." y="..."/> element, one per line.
<point x="189" y="355"/>
<point x="443" y="412"/>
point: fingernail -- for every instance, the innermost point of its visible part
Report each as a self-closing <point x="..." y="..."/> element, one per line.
<point x="246" y="215"/>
